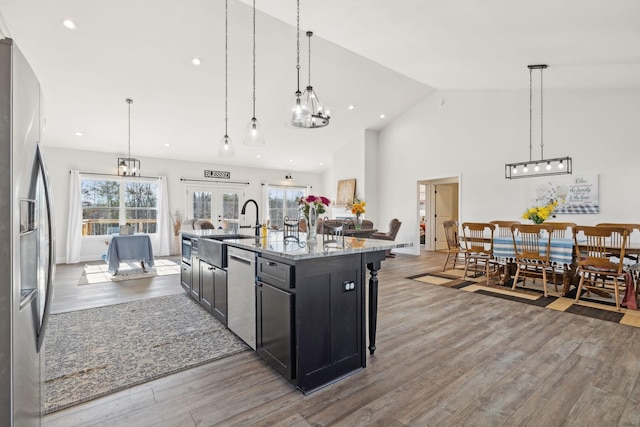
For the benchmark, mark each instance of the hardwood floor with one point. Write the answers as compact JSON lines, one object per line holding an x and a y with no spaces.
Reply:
{"x":444,"y":357}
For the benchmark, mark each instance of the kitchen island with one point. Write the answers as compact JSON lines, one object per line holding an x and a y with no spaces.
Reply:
{"x":308,"y":302}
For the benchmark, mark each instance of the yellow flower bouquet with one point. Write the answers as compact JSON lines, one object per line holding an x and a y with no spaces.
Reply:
{"x":540,"y":213}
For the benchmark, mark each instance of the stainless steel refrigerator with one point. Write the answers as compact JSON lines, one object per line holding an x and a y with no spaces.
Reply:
{"x":27,"y":259}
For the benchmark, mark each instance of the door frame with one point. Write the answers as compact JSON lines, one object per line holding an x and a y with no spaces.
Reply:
{"x":431,"y":183}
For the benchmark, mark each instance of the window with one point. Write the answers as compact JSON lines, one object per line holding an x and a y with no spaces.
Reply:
{"x":282,"y":203}
{"x":107,"y":203}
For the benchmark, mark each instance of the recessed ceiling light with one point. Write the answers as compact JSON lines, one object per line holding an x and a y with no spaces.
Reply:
{"x":258,"y":156}
{"x":77,"y":133}
{"x":291,"y":160}
{"x":166,"y":144}
{"x":351,"y":107}
{"x":320,"y":163}
{"x":196,"y":61}
{"x":68,"y":23}
{"x":382,"y":116}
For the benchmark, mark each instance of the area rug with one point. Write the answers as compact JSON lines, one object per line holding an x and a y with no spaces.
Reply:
{"x":533,"y":294}
{"x":97,"y":273}
{"x":94,"y":352}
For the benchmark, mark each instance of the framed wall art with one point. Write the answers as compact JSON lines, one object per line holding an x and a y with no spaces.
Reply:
{"x":346,"y":192}
{"x":576,"y":194}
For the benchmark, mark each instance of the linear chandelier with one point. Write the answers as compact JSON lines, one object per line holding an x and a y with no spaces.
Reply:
{"x":128,"y":166}
{"x":541,"y":167}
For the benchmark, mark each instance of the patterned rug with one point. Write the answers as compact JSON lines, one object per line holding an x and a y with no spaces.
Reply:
{"x":97,"y":273}
{"x":533,"y":294}
{"x":94,"y":352}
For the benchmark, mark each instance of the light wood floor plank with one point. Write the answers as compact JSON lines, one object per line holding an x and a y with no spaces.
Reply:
{"x":444,"y":357}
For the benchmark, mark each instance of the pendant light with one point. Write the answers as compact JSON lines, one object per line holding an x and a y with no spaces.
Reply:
{"x":542,"y":167}
{"x":253,"y":136}
{"x":128,"y":166}
{"x":318,"y":115}
{"x":299,"y":112}
{"x":226,"y":148}
{"x":306,"y":109}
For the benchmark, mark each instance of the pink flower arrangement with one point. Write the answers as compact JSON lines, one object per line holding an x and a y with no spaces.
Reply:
{"x":318,"y":202}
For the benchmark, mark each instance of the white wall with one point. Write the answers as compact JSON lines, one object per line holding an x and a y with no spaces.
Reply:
{"x":472,"y":134}
{"x":357,"y":159}
{"x":61,"y":161}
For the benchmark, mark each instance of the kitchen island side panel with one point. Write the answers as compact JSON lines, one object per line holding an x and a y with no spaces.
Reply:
{"x":329,"y":320}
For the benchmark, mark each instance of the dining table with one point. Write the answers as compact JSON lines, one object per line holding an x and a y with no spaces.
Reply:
{"x":135,"y":247}
{"x":561,"y":257}
{"x":362,"y":232}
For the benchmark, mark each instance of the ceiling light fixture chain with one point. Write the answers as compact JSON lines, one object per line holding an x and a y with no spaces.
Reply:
{"x":309,"y":34}
{"x":254,"y":58}
{"x":226,"y":66}
{"x":129,"y":102}
{"x":298,"y":93}
{"x":563,"y":165}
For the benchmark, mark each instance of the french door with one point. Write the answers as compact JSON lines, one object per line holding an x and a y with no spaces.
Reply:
{"x":220,"y":205}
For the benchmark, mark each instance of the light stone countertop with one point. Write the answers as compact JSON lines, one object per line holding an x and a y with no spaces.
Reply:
{"x":274,"y":244}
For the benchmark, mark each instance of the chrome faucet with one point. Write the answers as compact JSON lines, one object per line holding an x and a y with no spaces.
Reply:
{"x":244,"y":208}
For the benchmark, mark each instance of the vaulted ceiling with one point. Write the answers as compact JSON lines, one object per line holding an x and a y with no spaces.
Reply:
{"x":378,"y":56}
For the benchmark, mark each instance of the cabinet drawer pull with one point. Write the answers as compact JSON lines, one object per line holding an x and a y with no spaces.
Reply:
{"x":210,"y":268}
{"x":272,"y":264}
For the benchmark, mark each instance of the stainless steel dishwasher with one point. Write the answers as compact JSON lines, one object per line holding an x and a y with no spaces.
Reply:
{"x":241,"y":294}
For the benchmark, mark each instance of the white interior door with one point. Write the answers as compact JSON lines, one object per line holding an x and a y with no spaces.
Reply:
{"x":444,"y":203}
{"x":220,"y":205}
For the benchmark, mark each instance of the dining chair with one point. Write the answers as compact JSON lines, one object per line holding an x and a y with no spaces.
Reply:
{"x":561,"y":230}
{"x":478,"y":241}
{"x":454,"y":247}
{"x":394,"y":227}
{"x":598,"y":270}
{"x":332,"y":233}
{"x":532,"y":252}
{"x":503,"y":230}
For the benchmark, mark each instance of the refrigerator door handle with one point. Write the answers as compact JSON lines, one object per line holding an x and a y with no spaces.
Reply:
{"x":39,"y":168}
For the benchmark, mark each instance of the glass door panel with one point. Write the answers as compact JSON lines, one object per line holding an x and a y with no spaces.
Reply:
{"x":219,"y":205}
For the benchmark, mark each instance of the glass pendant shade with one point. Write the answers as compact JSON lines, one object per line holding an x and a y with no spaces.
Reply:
{"x":299,"y":111}
{"x":226,"y":148}
{"x":253,"y":136}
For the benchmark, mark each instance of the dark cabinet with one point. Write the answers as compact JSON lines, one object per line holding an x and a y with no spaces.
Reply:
{"x":185,"y":277}
{"x":310,"y":318}
{"x":205,"y":281}
{"x":195,"y":277}
{"x":213,"y":285}
{"x":329,"y":320}
{"x":274,"y":328}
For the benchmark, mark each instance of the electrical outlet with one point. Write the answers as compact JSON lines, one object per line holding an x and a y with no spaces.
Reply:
{"x":348,"y":286}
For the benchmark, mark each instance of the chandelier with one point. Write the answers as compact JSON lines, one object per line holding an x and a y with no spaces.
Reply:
{"x":541,"y":167}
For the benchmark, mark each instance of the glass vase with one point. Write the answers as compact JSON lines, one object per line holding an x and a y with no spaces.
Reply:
{"x":312,"y":219}
{"x":358,"y":223}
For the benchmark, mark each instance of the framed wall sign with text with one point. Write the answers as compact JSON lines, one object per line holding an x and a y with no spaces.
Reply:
{"x":576,"y":194}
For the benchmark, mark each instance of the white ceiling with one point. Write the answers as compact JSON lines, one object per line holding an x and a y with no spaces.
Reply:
{"x":378,"y":55}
